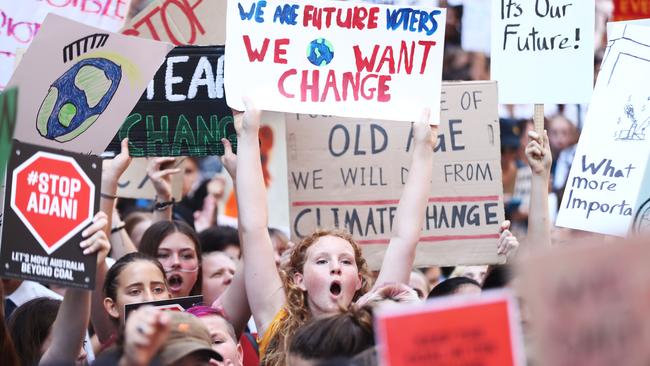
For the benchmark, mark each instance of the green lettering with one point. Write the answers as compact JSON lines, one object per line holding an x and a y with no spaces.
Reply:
{"x":157,"y":136}
{"x":125,"y":130}
{"x":183,"y":134}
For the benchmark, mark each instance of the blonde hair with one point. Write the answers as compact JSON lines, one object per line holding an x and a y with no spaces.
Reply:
{"x":297,"y":308}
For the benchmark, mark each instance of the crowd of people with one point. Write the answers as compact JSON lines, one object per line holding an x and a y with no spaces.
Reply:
{"x":268,"y":300}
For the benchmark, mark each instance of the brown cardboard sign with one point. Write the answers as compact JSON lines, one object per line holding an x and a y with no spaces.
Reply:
{"x":588,"y":305}
{"x":349,"y":173}
{"x":181,"y":22}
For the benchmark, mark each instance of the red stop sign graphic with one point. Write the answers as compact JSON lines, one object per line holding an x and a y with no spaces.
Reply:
{"x":53,"y":197}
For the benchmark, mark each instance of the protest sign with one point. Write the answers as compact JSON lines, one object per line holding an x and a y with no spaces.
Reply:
{"x":135,"y":183}
{"x":22,"y":19}
{"x":607,"y":187}
{"x":374,"y":57}
{"x":181,"y":22}
{"x":459,"y":330}
{"x":183,"y":112}
{"x":92,"y":81}
{"x":543,"y":52}
{"x":8,"y":100}
{"x":350,"y":174}
{"x":588,"y":304}
{"x":631,"y":9}
{"x":51,"y":196}
{"x":176,"y":304}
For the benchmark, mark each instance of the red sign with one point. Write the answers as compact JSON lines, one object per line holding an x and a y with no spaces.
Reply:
{"x":631,"y":9}
{"x":451,"y":331}
{"x":53,"y":197}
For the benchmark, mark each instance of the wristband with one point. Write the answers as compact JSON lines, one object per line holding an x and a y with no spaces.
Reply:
{"x":162,"y":206}
{"x":118,"y":228}
{"x":107,"y":196}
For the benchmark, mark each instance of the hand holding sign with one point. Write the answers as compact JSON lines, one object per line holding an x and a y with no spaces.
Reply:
{"x":250,"y":121}
{"x":112,"y":170}
{"x":538,"y":153}
{"x":95,"y":240}
{"x":423,"y":134}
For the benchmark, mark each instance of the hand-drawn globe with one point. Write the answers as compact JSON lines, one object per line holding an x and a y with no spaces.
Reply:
{"x":320,"y":52}
{"x":77,"y":98}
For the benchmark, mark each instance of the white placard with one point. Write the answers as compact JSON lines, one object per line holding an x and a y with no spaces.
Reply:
{"x":605,"y":188}
{"x":361,"y":60}
{"x":543,"y":51}
{"x":21,"y":20}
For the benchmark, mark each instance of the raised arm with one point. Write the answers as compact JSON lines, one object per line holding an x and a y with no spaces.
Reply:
{"x":69,"y":328}
{"x":161,"y":178}
{"x":112,"y":170}
{"x":538,"y":153}
{"x":263,"y":284}
{"x":400,"y":255}
{"x":234,"y":301}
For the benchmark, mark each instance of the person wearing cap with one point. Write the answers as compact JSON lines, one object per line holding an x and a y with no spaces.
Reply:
{"x":166,"y":338}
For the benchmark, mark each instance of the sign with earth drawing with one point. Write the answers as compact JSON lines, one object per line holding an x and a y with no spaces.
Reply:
{"x":91,"y":81}
{"x":183,"y":111}
{"x":335,"y":57}
{"x":51,"y":197}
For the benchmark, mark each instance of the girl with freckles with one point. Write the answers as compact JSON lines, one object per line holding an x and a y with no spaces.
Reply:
{"x":326,"y":270}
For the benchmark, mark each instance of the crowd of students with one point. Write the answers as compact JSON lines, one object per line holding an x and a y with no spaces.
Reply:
{"x":267,"y":300}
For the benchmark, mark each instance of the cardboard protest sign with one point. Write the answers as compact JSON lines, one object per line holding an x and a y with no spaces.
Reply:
{"x":183,"y":112}
{"x":456,"y":330}
{"x":373,"y":58}
{"x":181,"y":22}
{"x":175,"y":304}
{"x":588,"y":304}
{"x":22,"y":19}
{"x":607,"y":187}
{"x":631,"y":9}
{"x":135,"y":183}
{"x":92,"y":81}
{"x":350,"y":174}
{"x":8,"y":100}
{"x":543,"y":52}
{"x":51,"y":196}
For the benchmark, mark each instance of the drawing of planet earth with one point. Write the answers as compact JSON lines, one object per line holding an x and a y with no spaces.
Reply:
{"x":320,"y":52}
{"x":77,"y":98}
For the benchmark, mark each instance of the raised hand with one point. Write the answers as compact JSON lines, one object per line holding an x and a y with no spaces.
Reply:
{"x":95,"y":239}
{"x":161,"y":178}
{"x":508,"y":243}
{"x":423,"y":133}
{"x":113,"y":169}
{"x":538,"y":153}
{"x":145,"y":331}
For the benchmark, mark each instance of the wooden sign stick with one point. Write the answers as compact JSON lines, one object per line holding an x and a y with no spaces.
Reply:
{"x":538,"y":118}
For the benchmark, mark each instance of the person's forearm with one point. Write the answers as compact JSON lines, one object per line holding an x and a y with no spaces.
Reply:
{"x":409,"y":218}
{"x":107,"y":200}
{"x":69,"y":328}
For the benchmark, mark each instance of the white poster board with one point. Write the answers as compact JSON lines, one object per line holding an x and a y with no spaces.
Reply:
{"x":335,"y":57}
{"x":21,"y":20}
{"x":606,"y":186}
{"x":543,"y":52}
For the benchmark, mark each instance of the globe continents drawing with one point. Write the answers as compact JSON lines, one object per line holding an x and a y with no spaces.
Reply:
{"x":77,"y":98}
{"x":320,"y":52}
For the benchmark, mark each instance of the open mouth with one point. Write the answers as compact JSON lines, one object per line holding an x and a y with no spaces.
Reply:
{"x":175,"y":282}
{"x":335,"y":288}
